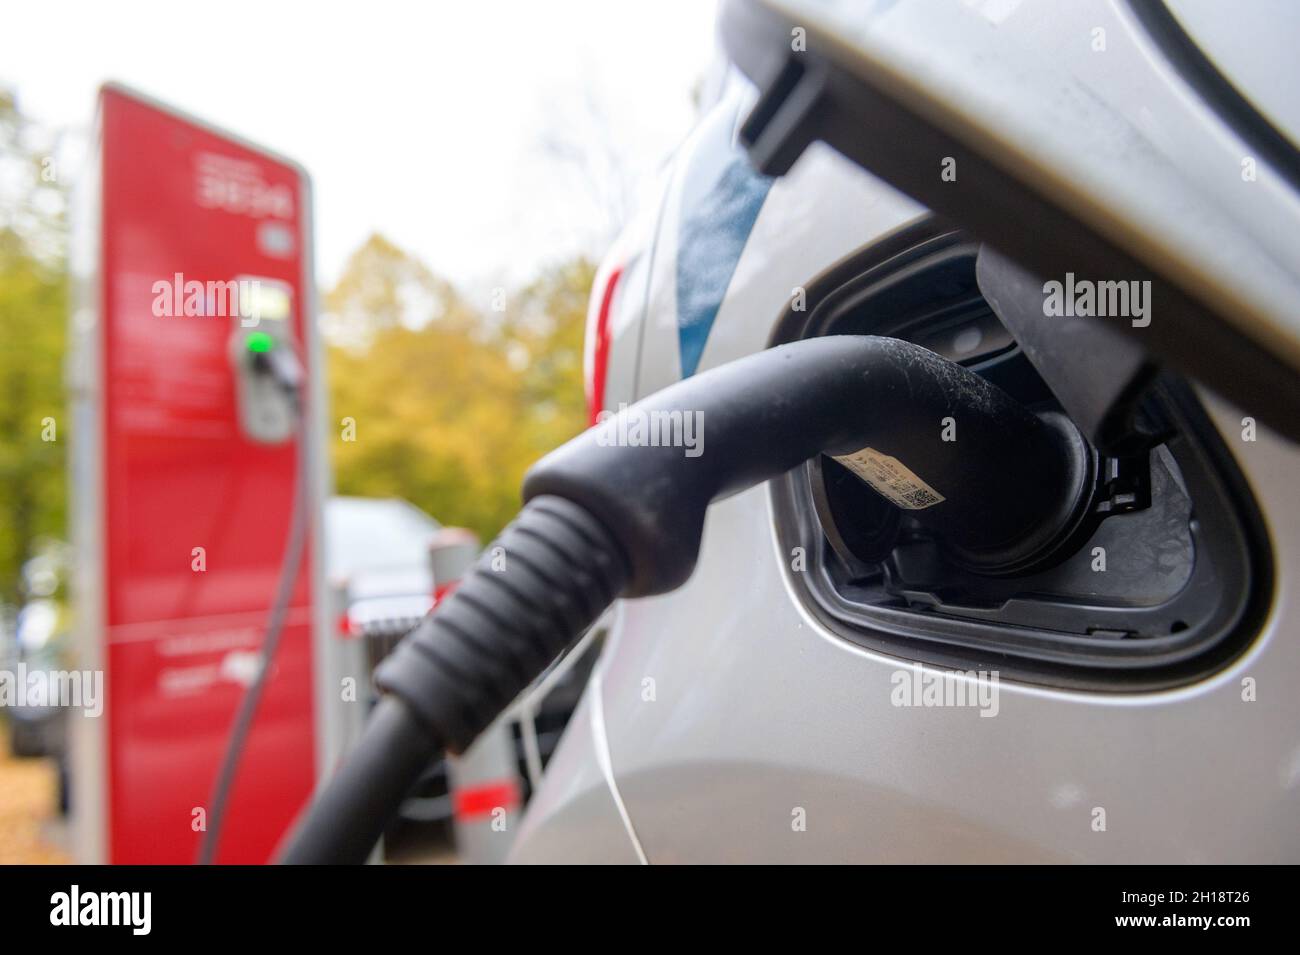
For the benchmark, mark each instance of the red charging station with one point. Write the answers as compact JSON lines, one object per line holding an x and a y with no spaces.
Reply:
{"x":192,"y":254}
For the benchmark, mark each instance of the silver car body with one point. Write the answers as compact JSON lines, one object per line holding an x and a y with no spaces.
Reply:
{"x":724,"y":723}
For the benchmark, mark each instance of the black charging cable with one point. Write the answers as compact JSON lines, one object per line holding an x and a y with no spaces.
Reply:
{"x":609,"y":516}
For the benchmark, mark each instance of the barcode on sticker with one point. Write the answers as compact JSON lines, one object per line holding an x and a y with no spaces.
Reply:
{"x":892,"y":479}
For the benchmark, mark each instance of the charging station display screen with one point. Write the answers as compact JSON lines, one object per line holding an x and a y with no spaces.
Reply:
{"x":202,"y":246}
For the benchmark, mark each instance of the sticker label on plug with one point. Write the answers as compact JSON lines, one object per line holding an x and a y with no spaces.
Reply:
{"x":892,"y":479}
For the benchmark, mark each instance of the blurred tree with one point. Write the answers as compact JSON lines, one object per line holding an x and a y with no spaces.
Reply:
{"x":546,"y":330}
{"x":383,"y":288}
{"x":433,"y":402}
{"x":33,"y":321}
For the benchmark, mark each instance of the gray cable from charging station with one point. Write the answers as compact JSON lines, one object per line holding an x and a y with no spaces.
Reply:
{"x":290,"y":563}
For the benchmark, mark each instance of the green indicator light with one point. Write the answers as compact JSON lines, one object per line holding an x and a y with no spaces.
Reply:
{"x":259,"y":342}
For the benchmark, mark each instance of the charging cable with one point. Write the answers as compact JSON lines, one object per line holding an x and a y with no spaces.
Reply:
{"x":606,"y":517}
{"x":283,"y":367}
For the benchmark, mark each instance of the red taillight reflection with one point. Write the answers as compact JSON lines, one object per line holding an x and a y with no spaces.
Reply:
{"x":598,"y":343}
{"x":443,"y":591}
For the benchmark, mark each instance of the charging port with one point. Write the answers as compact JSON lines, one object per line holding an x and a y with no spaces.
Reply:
{"x":1146,"y":587}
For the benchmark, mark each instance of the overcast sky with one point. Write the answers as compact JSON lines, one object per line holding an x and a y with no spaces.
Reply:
{"x":441,"y":125}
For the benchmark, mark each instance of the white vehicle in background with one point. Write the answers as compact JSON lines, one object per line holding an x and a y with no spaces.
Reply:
{"x":36,"y":640}
{"x":1131,"y":703}
{"x":377,"y":552}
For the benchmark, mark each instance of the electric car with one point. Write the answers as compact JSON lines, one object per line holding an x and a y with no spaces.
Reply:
{"x":994,"y":181}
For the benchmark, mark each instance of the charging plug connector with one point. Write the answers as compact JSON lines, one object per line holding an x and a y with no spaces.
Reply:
{"x":607,"y":516}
